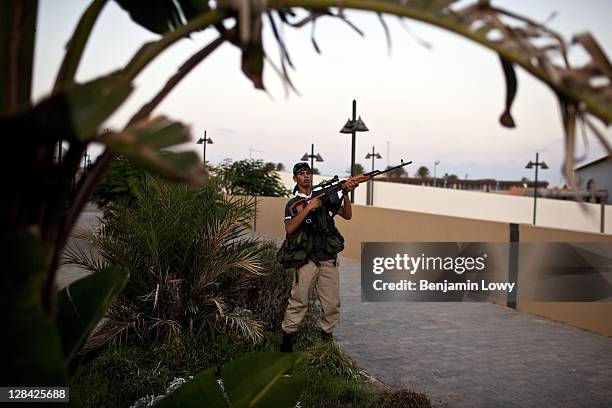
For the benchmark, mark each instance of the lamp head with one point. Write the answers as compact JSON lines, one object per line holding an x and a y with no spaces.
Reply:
{"x":359,"y":126}
{"x":348,"y":127}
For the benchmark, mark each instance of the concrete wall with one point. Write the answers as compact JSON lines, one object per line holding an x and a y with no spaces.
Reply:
{"x":482,"y":206}
{"x":593,"y":316}
{"x":371,"y":224}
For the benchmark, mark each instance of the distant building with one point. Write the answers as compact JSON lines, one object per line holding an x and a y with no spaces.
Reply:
{"x":596,"y":176}
{"x":486,"y":185}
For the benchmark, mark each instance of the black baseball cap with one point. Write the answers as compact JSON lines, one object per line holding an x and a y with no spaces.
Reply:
{"x":300,"y":166}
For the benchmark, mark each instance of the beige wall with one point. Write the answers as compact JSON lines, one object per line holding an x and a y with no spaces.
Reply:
{"x":593,"y":316}
{"x":480,"y":205}
{"x":371,"y":224}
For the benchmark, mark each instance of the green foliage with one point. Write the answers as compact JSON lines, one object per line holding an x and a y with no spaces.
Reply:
{"x":397,"y":173}
{"x":451,"y":177}
{"x":124,"y":374}
{"x":257,"y":380}
{"x":422,"y":172}
{"x":251,"y":177}
{"x":403,"y":399}
{"x":189,"y":262}
{"x":83,"y":303}
{"x":357,"y":169}
{"x":327,"y":357}
{"x":267,"y":297}
{"x":119,"y":183}
{"x":31,"y":351}
{"x":326,"y":391}
{"x":161,"y":16}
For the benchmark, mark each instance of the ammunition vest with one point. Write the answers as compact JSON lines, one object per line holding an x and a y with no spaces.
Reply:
{"x":298,"y":247}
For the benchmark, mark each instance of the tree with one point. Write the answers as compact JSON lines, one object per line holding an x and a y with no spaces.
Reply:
{"x":357,"y":169}
{"x":397,"y":173}
{"x":119,"y":183}
{"x":280,"y":167}
{"x":422,"y":172}
{"x":451,"y":177}
{"x":34,"y":218}
{"x":315,"y":171}
{"x":251,"y":177}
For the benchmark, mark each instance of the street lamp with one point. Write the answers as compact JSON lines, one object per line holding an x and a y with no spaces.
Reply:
{"x":370,"y":193}
{"x":531,"y":165}
{"x":352,"y":126}
{"x":312,"y":157}
{"x":204,"y":141}
{"x":435,"y":166}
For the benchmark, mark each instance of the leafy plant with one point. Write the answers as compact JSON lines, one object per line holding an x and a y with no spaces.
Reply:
{"x":327,"y":357}
{"x":397,"y":173}
{"x":118,"y":183}
{"x":268,"y":295}
{"x":251,"y":177}
{"x":422,"y":172}
{"x":189,"y":259}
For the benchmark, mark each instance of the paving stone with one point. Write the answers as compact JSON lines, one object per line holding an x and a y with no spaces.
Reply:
{"x":474,"y":354}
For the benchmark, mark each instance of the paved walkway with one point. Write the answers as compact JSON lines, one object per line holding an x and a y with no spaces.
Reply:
{"x":88,"y":220}
{"x":474,"y":354}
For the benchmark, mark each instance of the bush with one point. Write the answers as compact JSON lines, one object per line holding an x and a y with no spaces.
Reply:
{"x":118,"y":183}
{"x":326,"y":357}
{"x":268,"y":295}
{"x":189,"y":259}
{"x":251,"y":177}
{"x":122,"y":375}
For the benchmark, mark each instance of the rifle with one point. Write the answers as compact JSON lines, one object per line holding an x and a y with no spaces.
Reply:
{"x":330,"y":188}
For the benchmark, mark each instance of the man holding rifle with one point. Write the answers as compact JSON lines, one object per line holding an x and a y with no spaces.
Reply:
{"x":311,"y":247}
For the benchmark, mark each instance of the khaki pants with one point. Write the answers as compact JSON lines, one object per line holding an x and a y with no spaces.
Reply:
{"x":325,"y":279}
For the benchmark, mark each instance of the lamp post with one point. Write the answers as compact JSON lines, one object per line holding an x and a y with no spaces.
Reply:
{"x":312,"y":157}
{"x":435,"y":167}
{"x":204,"y":141}
{"x":370,"y":193}
{"x":352,"y":126}
{"x":531,"y":165}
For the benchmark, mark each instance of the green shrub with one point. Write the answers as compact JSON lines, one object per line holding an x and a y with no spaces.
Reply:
{"x":402,"y":399}
{"x":121,"y":375}
{"x":189,"y":260}
{"x":251,"y":177}
{"x":118,"y":183}
{"x":268,"y":295}
{"x":326,"y":357}
{"x":328,"y":391}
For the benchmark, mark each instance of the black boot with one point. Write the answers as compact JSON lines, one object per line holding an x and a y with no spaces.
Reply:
{"x":287,"y":344}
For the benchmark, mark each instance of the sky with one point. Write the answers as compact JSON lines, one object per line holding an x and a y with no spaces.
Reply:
{"x":425,"y":105}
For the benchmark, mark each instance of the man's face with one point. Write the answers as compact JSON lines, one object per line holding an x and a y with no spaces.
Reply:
{"x":302,"y":178}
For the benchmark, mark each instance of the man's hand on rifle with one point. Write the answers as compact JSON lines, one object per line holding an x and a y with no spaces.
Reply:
{"x":350,"y":184}
{"x":315,"y":202}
